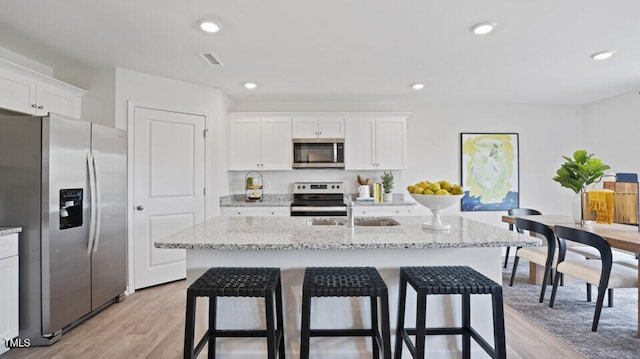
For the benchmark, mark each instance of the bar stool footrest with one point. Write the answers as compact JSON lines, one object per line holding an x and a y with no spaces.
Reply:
{"x":342,"y":333}
{"x":438,"y":331}
{"x":239,"y":333}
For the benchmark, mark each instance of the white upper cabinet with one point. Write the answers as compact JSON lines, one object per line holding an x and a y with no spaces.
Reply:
{"x":17,"y":93}
{"x":244,"y":144}
{"x":58,"y":99}
{"x":262,"y":141}
{"x":259,"y":143}
{"x":318,"y":127}
{"x":29,"y":92}
{"x":376,"y":143}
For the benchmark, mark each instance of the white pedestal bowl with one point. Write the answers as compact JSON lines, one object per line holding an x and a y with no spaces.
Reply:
{"x":436,"y":204}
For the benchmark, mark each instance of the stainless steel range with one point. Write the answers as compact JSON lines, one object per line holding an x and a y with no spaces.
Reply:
{"x":318,"y":199}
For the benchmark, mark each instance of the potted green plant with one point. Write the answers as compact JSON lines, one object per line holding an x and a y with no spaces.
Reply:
{"x":387,"y":185}
{"x":577,"y":173}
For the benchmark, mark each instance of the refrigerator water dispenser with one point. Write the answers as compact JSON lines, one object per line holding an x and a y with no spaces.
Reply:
{"x":70,"y":208}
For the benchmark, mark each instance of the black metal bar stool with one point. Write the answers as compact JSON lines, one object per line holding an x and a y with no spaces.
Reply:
{"x":236,"y":282}
{"x":448,"y":280}
{"x":347,"y":282}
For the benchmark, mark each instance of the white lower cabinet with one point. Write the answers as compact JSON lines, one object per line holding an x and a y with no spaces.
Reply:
{"x":255,"y":211}
{"x":8,"y":289}
{"x":386,"y":211}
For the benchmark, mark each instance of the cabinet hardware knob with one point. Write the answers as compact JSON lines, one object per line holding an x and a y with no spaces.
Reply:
{"x":140,"y":207}
{"x":40,"y":107}
{"x":34,"y":105}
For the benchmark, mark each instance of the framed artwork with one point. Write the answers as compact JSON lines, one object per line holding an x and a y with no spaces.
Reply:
{"x":490,"y":173}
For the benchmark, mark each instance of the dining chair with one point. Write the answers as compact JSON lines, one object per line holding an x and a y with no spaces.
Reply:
{"x":592,"y":253}
{"x":604,"y":273}
{"x":518,"y":212}
{"x":544,"y":255}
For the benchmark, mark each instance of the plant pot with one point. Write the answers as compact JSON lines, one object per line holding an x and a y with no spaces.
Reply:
{"x":576,"y":208}
{"x":387,"y":197}
{"x":577,"y":205}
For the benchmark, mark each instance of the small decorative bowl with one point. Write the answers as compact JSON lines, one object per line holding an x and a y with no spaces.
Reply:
{"x":436,"y":204}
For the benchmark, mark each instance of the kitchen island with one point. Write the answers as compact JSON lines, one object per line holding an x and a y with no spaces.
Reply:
{"x":293,"y":243}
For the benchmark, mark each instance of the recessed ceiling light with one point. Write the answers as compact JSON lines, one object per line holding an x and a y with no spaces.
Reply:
{"x":209,"y":26}
{"x":417,"y":86}
{"x":602,"y":55}
{"x":250,"y":85}
{"x":483,"y":28}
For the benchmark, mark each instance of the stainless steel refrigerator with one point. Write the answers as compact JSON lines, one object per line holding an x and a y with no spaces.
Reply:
{"x":64,"y":181}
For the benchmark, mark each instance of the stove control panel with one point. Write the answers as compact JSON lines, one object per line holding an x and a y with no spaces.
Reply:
{"x":318,"y":187}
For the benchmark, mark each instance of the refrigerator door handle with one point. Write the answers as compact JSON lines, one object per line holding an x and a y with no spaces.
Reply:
{"x":92,"y":194}
{"x":96,"y":182}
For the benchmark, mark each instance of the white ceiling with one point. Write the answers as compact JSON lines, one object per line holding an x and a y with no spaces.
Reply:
{"x":346,"y":50}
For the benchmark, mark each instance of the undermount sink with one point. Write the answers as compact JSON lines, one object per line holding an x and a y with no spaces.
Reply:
{"x":376,"y":222}
{"x":366,"y":222}
{"x":325,"y":222}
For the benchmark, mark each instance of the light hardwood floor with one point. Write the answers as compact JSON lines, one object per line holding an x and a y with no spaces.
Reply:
{"x":150,"y":324}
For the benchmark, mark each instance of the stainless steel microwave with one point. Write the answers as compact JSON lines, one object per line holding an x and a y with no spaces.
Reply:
{"x":318,"y":153}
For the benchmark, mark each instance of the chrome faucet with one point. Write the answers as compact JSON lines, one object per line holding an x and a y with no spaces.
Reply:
{"x":349,"y":203}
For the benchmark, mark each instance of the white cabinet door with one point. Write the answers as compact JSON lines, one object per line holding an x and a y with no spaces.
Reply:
{"x":318,"y":127}
{"x":331,"y":127}
{"x":305,"y":127}
{"x":385,"y":211}
{"x":275,"y":144}
{"x":375,"y":143}
{"x":391,"y":151}
{"x":17,"y":93}
{"x":9,"y":304}
{"x":56,"y":99}
{"x":244,"y":144}
{"x":25,"y":91}
{"x":359,"y":143}
{"x":255,"y":211}
{"x":260,"y":144}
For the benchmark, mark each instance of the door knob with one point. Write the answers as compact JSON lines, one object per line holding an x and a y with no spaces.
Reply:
{"x":140,"y":207}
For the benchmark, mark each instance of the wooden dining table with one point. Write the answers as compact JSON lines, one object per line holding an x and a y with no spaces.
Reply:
{"x":619,"y":236}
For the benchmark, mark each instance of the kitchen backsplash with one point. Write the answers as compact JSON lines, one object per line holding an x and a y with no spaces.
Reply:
{"x":275,"y":182}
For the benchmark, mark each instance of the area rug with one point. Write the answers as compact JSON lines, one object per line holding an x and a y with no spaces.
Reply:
{"x":571,"y":316}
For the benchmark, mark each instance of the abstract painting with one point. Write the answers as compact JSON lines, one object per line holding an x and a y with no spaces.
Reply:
{"x":490,"y":171}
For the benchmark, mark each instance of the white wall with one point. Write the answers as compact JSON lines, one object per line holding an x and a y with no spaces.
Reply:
{"x":181,"y":96}
{"x":546,"y":132}
{"x":98,"y":103}
{"x":24,"y":61}
{"x":611,"y":128}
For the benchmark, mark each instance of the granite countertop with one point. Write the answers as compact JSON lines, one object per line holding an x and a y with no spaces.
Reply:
{"x":5,"y":231}
{"x":263,"y":233}
{"x":284,"y":200}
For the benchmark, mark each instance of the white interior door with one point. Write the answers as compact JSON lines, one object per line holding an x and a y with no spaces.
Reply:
{"x":169,"y":180}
